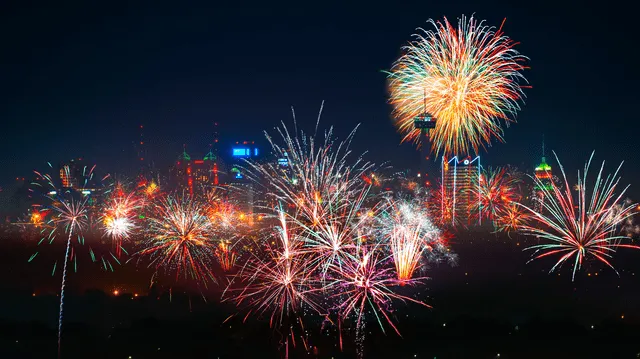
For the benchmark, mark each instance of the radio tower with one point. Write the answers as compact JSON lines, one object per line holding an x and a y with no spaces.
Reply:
{"x":425,"y":123}
{"x":141,"y":153}
{"x":215,"y":153}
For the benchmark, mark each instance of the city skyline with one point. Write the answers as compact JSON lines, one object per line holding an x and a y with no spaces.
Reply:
{"x":57,"y":112}
{"x":315,"y":180}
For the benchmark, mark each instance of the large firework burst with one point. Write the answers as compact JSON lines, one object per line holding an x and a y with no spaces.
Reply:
{"x":582,"y":228}
{"x":466,"y":77}
{"x":179,"y":237}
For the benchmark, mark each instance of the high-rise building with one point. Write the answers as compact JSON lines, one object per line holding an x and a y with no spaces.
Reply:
{"x":460,"y":180}
{"x":195,"y":175}
{"x":67,"y":177}
{"x":240,"y":152}
{"x":243,"y":189}
{"x":544,"y":179}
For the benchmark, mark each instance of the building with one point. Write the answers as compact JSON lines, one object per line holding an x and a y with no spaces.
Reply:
{"x":544,"y":175}
{"x":195,"y":175}
{"x":460,"y":181}
{"x":69,"y":175}
{"x":80,"y":176}
{"x":544,"y":180}
{"x":240,"y":153}
{"x":284,"y":165}
{"x":243,"y":193}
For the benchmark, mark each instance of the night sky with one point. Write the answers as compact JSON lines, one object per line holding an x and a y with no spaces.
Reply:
{"x":78,"y":78}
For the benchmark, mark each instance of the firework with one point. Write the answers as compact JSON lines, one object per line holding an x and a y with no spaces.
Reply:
{"x":220,"y":211}
{"x":319,"y":179}
{"x":224,"y":218}
{"x":226,"y":256}
{"x":582,"y":228}
{"x":332,"y":252}
{"x":179,"y":237}
{"x":441,"y":205}
{"x":498,"y":190}
{"x":334,"y":234}
{"x":70,"y":216}
{"x":277,"y":279}
{"x":324,"y":191}
{"x":466,"y":77}
{"x":119,"y":217}
{"x":363,"y":283}
{"x":511,"y":218}
{"x":410,"y":234}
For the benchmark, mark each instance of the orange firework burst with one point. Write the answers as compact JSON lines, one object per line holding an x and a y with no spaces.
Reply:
{"x":466,"y":77}
{"x":511,"y":218}
{"x":226,"y":256}
{"x":498,"y":191}
{"x":411,"y":234}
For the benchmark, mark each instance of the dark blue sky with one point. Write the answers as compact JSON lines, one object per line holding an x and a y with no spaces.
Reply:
{"x":78,"y":78}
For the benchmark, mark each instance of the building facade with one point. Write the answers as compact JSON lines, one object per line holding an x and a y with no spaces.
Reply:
{"x":195,"y":175}
{"x":460,"y":181}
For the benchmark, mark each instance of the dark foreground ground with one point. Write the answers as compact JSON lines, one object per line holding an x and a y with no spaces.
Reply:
{"x":492,"y":305}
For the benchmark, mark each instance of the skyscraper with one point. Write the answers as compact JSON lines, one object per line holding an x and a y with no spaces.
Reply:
{"x":544,"y":178}
{"x":243,"y":191}
{"x":194,"y":175}
{"x":460,"y":179}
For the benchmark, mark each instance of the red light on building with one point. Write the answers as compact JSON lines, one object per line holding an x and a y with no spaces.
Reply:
{"x":198,"y":162}
{"x":215,"y":174}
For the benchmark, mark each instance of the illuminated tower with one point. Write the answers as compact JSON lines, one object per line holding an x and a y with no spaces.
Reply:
{"x":544,"y":177}
{"x":425,"y":123}
{"x":142,"y":163}
{"x":460,"y":188}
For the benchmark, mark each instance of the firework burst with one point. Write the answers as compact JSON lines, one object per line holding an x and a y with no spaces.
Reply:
{"x":364,"y":283}
{"x":179,"y":238}
{"x":70,"y":216}
{"x":332,"y":252}
{"x":276,"y":279}
{"x":511,"y":218}
{"x":582,"y":228}
{"x":119,"y":217}
{"x":466,"y":77}
{"x":411,"y":235}
{"x":319,"y":179}
{"x":498,"y":189}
